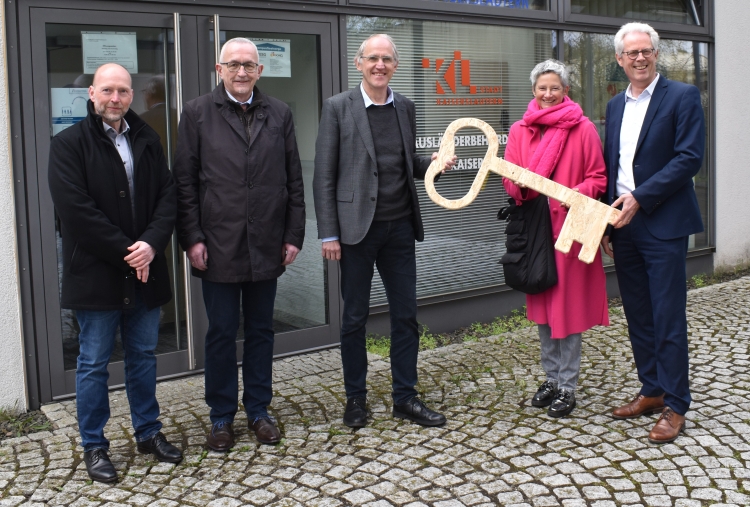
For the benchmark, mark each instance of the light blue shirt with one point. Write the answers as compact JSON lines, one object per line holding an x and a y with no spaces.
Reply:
{"x":122,"y":143}
{"x":368,"y":103}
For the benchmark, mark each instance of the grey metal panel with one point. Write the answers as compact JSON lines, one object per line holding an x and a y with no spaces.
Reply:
{"x":37,"y":379}
{"x":168,"y":365}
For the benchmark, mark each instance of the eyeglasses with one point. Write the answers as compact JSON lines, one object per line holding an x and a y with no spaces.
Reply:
{"x":387,"y":59}
{"x":235,"y":66}
{"x":634,"y":54}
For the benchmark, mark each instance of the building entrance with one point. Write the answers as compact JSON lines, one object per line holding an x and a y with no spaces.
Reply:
{"x":171,"y":57}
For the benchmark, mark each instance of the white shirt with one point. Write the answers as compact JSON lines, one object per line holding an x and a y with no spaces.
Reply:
{"x":248,"y":101}
{"x":369,"y":102}
{"x":632,"y":122}
{"x":122,"y":143}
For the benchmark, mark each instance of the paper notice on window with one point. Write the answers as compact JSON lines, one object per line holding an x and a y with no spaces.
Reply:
{"x":109,"y":47}
{"x":275,"y":56}
{"x":68,"y":107}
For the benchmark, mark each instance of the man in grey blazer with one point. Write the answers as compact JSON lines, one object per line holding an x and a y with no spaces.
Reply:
{"x":368,"y":214}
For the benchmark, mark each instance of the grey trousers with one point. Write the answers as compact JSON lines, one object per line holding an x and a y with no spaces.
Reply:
{"x":561,"y":358}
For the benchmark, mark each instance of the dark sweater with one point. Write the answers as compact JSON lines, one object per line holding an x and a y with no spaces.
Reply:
{"x":393,"y":192}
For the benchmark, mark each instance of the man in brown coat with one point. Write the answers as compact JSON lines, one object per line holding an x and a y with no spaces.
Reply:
{"x":241,"y":220}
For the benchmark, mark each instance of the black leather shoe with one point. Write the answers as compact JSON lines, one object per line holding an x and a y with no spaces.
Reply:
{"x":99,"y":467}
{"x":355,"y":415}
{"x":265,"y":430}
{"x":416,"y":411}
{"x":563,"y":404}
{"x":161,"y":448}
{"x":545,"y":394}
{"x":221,"y":436}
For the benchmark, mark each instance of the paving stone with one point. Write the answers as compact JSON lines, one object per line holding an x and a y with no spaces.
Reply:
{"x":495,"y":449}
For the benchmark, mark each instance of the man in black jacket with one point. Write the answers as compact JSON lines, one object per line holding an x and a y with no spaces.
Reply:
{"x":241,"y":220}
{"x":116,"y":201}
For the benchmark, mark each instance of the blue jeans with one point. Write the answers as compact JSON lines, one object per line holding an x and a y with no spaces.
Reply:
{"x":223,"y":302}
{"x":390,"y":247}
{"x":139,"y":333}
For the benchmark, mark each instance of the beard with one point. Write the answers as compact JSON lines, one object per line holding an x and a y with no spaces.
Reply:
{"x":109,"y":116}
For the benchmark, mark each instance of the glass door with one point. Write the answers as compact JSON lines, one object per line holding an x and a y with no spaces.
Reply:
{"x":297,"y":60}
{"x":67,"y":47}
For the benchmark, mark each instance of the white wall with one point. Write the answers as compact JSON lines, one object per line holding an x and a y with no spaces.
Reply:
{"x":732,"y":127}
{"x":12,"y":371}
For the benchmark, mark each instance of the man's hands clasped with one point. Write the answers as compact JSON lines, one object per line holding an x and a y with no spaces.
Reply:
{"x":140,"y":257}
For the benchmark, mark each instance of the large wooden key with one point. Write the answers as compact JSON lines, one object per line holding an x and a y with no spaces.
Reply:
{"x":587,"y":218}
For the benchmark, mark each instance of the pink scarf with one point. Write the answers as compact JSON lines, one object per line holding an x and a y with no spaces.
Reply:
{"x":559,"y":120}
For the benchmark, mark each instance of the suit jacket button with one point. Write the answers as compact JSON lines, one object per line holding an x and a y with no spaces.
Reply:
{"x":126,"y":301}
{"x":375,"y":173}
{"x":250,"y":185}
{"x":372,"y":198}
{"x":250,"y":219}
{"x":122,"y":193}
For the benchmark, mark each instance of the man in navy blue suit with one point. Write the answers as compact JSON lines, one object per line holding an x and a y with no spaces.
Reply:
{"x":655,"y":136}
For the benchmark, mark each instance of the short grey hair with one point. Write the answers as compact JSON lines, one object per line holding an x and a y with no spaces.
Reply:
{"x":236,"y":40}
{"x":361,"y":50}
{"x":548,"y":66}
{"x":635,"y":27}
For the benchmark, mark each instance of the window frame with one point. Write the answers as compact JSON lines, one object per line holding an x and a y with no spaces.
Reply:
{"x":599,"y":22}
{"x":461,"y":9}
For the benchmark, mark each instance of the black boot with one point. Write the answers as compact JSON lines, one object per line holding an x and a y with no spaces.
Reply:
{"x":563,"y":404}
{"x":545,"y":394}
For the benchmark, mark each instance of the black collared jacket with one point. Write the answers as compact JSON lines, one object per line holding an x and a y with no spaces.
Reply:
{"x":90,"y":191}
{"x":243,"y":197}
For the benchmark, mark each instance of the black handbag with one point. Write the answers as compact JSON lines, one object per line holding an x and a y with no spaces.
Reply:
{"x":529,"y":261}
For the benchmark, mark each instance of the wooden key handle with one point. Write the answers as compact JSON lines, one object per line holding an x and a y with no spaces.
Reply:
{"x":446,"y":152}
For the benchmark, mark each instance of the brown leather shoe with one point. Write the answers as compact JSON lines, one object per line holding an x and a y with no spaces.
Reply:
{"x":667,"y":428}
{"x":641,"y":405}
{"x":221,"y":436}
{"x":265,"y":430}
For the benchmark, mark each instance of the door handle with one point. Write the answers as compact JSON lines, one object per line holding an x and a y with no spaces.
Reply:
{"x":185,"y":261}
{"x":217,"y":45}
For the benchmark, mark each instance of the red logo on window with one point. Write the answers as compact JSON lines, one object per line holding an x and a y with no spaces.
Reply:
{"x":449,"y":75}
{"x":455,"y":73}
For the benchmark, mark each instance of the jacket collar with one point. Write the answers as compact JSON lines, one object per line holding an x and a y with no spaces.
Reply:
{"x":226,"y":108}
{"x":220,"y":96}
{"x":134,"y":121}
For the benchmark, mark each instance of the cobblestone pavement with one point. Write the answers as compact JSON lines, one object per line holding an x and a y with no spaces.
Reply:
{"x":495,"y":450}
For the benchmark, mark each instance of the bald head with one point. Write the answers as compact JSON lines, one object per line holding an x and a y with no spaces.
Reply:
{"x":111,"y":69}
{"x":111,"y":93}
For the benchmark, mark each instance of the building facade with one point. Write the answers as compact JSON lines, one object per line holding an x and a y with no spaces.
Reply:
{"x":458,"y":58}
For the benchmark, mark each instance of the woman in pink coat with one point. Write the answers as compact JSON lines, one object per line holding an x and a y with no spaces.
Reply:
{"x":554,"y":139}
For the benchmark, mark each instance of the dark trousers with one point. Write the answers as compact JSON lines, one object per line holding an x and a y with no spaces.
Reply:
{"x":652,"y":279}
{"x":390,"y":247}
{"x":223,"y":301}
